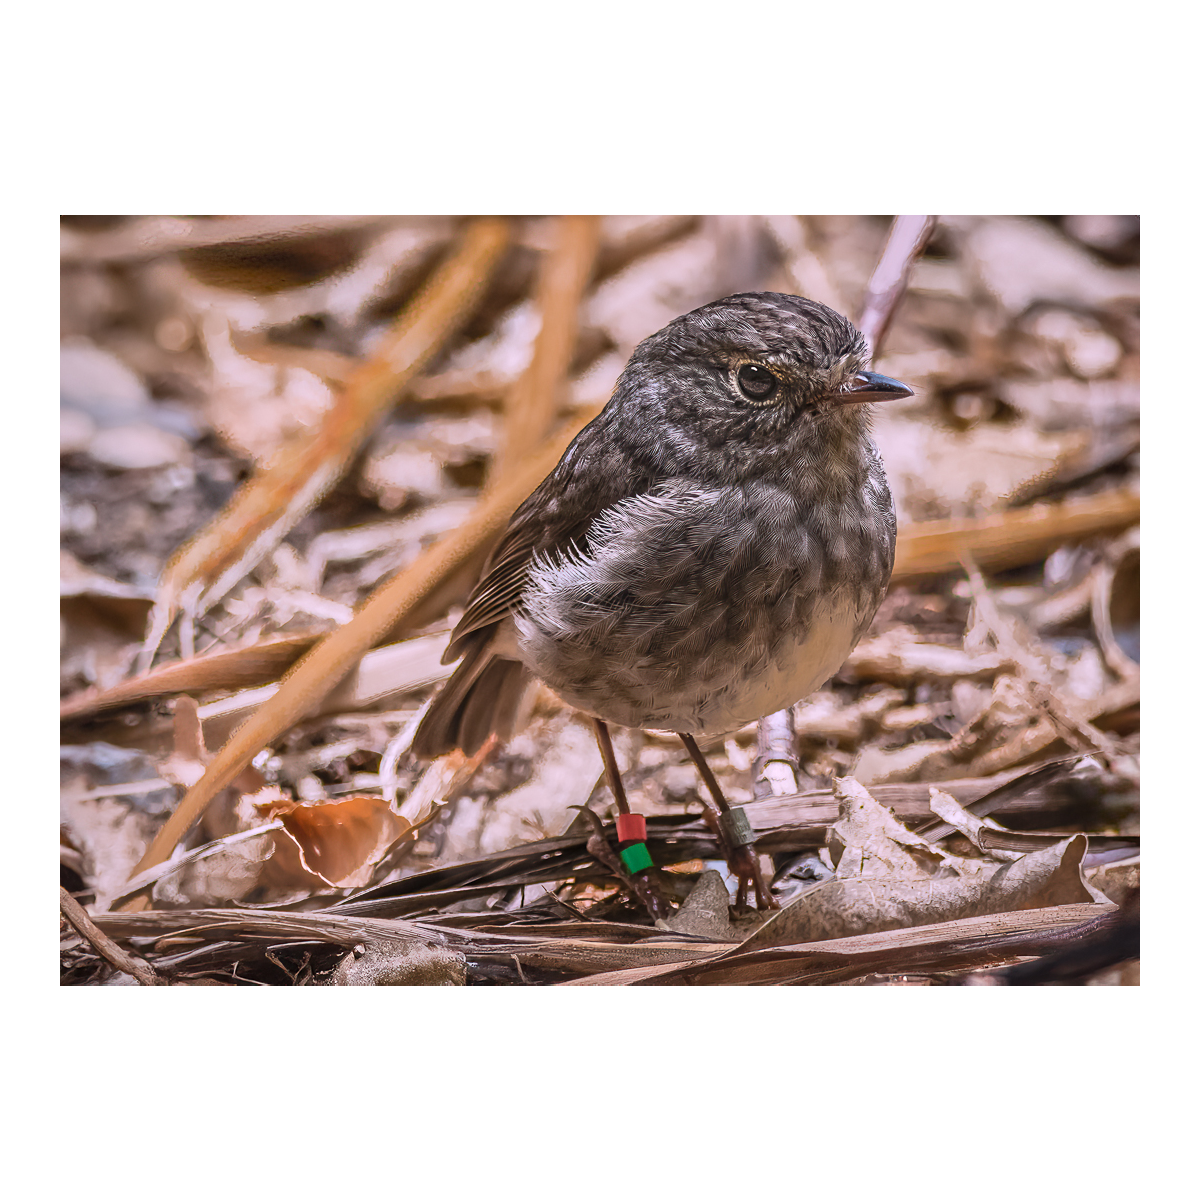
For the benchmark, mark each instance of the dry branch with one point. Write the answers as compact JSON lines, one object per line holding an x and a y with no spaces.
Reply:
{"x":1034,"y":671}
{"x":113,"y":954}
{"x":592,"y":953}
{"x":906,"y":241}
{"x":968,"y":943}
{"x":267,"y":507}
{"x":244,"y":666}
{"x":1014,"y":537}
{"x":533,"y":401}
{"x":152,"y":237}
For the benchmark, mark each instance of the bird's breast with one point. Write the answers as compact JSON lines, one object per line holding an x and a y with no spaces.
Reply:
{"x":699,"y":610}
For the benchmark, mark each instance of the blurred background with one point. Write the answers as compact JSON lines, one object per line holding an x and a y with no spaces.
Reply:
{"x":203,"y":353}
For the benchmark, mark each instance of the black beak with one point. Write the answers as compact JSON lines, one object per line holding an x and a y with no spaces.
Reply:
{"x":867,"y":387}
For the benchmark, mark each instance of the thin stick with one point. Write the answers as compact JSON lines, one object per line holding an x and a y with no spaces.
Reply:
{"x":907,"y":238}
{"x":127,"y":963}
{"x":152,"y":237}
{"x":779,"y":774}
{"x":610,"y":765}
{"x":1013,"y":537}
{"x":532,"y":403}
{"x":1033,"y":671}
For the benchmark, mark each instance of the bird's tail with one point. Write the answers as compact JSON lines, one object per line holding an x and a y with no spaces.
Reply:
{"x":485,"y":695}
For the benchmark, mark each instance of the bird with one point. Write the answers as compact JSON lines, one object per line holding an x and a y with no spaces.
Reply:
{"x":708,"y":550}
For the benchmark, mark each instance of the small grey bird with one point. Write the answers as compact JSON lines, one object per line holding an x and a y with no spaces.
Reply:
{"x":708,"y":550}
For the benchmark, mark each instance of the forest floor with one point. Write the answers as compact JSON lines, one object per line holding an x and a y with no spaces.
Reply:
{"x":287,"y":446}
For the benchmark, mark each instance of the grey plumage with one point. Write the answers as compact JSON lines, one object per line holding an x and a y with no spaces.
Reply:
{"x":701,"y":555}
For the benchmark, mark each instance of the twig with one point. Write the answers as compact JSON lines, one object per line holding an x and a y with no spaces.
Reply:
{"x":145,"y":879}
{"x":1014,"y":537}
{"x":266,"y":508}
{"x":127,"y":963}
{"x":1103,"y":580}
{"x":1075,"y":728}
{"x":242,"y":667}
{"x":1099,"y":945}
{"x":320,"y":670}
{"x":532,"y":402}
{"x":945,"y":946}
{"x":907,"y":238}
{"x":152,"y":237}
{"x":389,"y":778}
{"x":776,"y":767}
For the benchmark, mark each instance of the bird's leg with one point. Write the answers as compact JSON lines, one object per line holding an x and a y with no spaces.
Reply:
{"x":611,"y":773}
{"x":736,"y":838}
{"x":631,"y":830}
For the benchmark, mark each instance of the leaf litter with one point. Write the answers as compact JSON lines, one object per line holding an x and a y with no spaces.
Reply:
{"x":332,"y":857}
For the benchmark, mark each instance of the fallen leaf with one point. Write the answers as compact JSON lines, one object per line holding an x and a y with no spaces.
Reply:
{"x":342,"y":841}
{"x":890,"y":878}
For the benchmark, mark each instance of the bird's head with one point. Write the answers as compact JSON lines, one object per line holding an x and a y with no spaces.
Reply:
{"x":760,"y":373}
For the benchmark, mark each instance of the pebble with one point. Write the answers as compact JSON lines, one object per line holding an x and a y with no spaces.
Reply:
{"x":75,"y":431}
{"x":137,"y":445}
{"x":107,"y":412}
{"x":99,"y":383}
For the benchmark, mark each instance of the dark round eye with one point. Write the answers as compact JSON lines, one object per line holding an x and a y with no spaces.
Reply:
{"x":757,"y":383}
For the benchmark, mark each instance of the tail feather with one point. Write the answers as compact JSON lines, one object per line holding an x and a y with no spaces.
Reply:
{"x":482,"y":697}
{"x":492,"y":705}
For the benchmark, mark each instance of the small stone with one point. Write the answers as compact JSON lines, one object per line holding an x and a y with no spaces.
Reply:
{"x":390,"y":965}
{"x":97,"y":382}
{"x":129,"y":447}
{"x":173,"y":334}
{"x":1093,"y":354}
{"x":75,"y":430}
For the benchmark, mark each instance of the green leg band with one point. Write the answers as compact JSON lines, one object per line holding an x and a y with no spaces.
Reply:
{"x":636,"y":858}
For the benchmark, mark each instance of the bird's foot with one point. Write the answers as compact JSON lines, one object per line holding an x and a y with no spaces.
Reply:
{"x":633,"y":863}
{"x":743,"y":862}
{"x":736,"y":840}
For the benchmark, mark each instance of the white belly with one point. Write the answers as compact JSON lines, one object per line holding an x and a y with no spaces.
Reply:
{"x":788,"y":677}
{"x":728,"y":690}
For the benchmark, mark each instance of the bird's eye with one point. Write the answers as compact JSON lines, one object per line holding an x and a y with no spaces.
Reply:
{"x":757,"y":383}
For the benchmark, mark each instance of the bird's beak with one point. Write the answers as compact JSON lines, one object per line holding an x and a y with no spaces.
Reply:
{"x":867,"y":387}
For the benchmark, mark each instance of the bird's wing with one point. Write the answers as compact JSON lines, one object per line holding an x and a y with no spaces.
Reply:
{"x":498,"y":590}
{"x":591,"y":476}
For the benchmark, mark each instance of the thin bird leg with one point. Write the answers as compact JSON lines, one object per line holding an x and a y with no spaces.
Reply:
{"x":610,"y":765}
{"x":742,"y":860}
{"x":714,"y":788}
{"x":641,"y":879}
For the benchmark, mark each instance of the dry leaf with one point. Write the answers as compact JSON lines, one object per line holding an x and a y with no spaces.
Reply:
{"x":705,"y":913}
{"x":341,"y":842}
{"x":889,"y":878}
